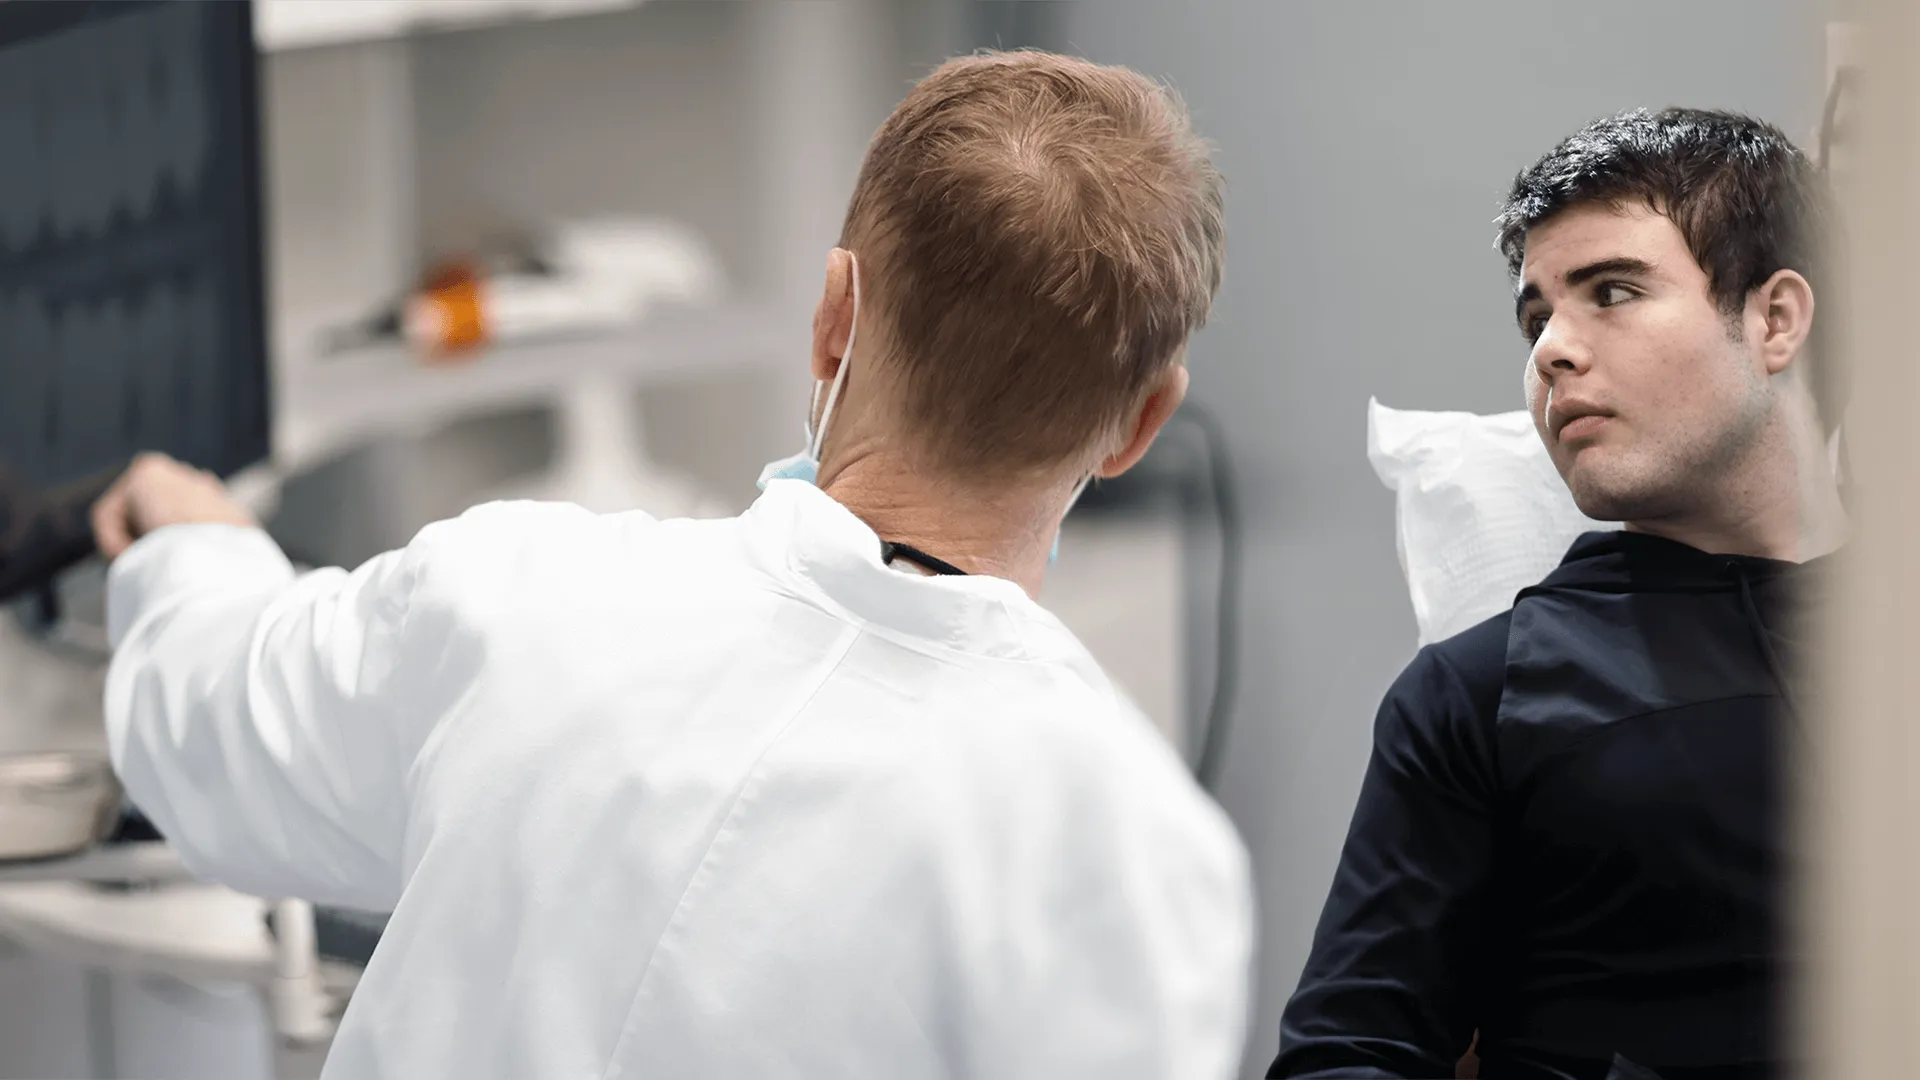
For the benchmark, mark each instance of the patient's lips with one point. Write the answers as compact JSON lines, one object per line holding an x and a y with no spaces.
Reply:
{"x":1572,"y":420}
{"x":1583,"y":427}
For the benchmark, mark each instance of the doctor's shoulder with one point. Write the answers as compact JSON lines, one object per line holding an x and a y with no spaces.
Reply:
{"x":1160,"y":880}
{"x":521,"y":551}
{"x":1102,"y":760}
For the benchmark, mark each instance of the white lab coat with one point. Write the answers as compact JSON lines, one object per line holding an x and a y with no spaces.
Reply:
{"x":686,"y":799}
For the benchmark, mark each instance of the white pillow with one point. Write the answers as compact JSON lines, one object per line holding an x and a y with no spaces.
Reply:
{"x":1481,"y":513}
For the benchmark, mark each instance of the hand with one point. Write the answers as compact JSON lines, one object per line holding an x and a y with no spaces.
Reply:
{"x":157,"y":491}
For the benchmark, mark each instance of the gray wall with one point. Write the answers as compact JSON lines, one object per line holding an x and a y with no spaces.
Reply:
{"x":1366,"y":144}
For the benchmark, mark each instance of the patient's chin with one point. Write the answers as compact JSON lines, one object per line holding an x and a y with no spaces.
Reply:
{"x":1604,"y":497}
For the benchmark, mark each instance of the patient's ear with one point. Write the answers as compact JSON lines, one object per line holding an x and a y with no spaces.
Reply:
{"x":1783,"y":307}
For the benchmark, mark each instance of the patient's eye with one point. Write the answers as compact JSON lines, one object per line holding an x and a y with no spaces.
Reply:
{"x":1614,"y":292}
{"x":1533,"y":326}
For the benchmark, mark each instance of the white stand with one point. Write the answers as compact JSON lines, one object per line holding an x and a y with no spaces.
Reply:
{"x":600,"y":456}
{"x":182,"y":979}
{"x":296,"y":1001}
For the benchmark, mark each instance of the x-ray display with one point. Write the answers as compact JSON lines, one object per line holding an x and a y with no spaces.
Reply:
{"x":131,"y":294}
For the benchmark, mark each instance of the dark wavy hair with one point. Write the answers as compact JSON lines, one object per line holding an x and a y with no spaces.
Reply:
{"x":1748,"y":201}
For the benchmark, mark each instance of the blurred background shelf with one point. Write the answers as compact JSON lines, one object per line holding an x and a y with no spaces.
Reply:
{"x":327,"y":405}
{"x":296,"y":24}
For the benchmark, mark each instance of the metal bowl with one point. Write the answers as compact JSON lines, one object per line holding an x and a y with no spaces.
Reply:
{"x":55,"y":804}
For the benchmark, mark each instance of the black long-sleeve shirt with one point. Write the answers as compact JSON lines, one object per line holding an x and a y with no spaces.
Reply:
{"x":42,"y":534}
{"x":1569,"y":837}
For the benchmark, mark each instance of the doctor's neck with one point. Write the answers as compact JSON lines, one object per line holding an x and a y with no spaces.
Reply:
{"x":1005,"y":533}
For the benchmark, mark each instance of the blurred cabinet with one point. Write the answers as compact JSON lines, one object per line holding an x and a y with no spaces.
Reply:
{"x":745,"y":121}
{"x":44,"y":1018}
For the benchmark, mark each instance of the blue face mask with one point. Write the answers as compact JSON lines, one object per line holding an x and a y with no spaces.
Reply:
{"x":802,"y":466}
{"x":805,"y":465}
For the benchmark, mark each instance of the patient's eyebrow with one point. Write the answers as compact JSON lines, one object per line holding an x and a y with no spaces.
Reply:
{"x":1624,"y":265}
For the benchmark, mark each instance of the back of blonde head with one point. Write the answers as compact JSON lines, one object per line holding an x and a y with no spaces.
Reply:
{"x":1038,"y":236}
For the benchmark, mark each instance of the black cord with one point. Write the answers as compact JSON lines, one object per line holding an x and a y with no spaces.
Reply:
{"x":1226,"y":675}
{"x":889,"y":551}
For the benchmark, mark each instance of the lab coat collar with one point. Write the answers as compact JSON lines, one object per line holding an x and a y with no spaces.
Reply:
{"x":803,"y":536}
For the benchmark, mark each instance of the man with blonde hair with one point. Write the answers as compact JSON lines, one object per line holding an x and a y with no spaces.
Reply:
{"x":815,"y":791}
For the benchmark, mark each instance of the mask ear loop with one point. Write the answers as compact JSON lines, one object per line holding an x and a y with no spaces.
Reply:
{"x":1078,"y":490}
{"x":819,"y":434}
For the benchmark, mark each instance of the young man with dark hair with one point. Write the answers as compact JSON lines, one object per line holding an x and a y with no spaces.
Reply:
{"x":1570,"y":839}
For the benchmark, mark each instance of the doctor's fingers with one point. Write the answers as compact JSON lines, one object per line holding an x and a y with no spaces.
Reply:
{"x":112,"y":532}
{"x":165,"y":492}
{"x":155,"y":490}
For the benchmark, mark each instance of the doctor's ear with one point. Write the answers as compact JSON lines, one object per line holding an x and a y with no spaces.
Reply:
{"x":833,"y":319}
{"x":1155,"y":410}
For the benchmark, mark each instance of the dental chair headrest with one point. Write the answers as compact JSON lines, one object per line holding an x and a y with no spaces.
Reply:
{"x":1480,"y":512}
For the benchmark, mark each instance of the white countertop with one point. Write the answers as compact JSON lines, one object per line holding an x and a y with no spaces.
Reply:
{"x":190,"y":931}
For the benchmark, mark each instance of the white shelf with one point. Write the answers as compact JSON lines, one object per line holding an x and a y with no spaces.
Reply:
{"x":326,"y":405}
{"x":152,"y":861}
{"x":299,"y":24}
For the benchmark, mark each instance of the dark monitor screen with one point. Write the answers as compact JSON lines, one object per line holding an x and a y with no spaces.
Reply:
{"x":132,"y":309}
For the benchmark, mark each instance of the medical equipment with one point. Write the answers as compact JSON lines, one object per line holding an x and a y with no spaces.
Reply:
{"x":133,"y":317}
{"x":1189,"y":473}
{"x":300,"y":1008}
{"x":55,"y":803}
{"x":1480,"y":512}
{"x":131,"y":280}
{"x":131,"y":296}
{"x":1224,"y":497}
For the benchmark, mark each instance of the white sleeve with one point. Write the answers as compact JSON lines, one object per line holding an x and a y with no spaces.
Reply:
{"x":250,"y":716}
